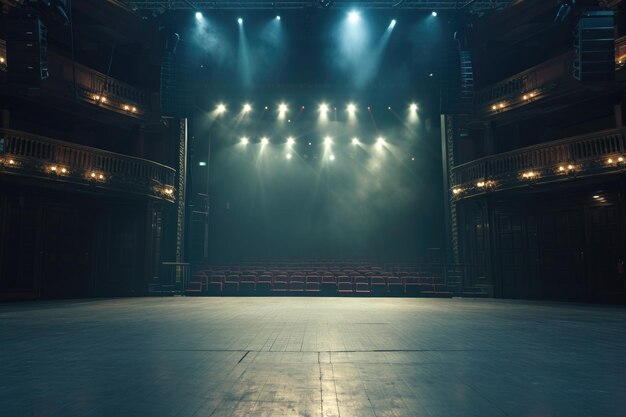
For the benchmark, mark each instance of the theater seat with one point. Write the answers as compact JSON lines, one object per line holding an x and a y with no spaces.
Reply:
{"x":216,"y":283}
{"x":247,"y":283}
{"x":313,"y":283}
{"x":264,"y":284}
{"x":280,"y":283}
{"x":395,"y":285}
{"x":231,"y":284}
{"x":194,"y":288}
{"x":378,"y":285}
{"x":361,"y":284}
{"x":344,"y":284}
{"x":296,"y":283}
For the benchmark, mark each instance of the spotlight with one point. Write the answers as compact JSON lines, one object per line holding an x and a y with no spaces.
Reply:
{"x":244,"y":140}
{"x":331,"y":157}
{"x":323,"y":108}
{"x":434,"y":14}
{"x":413,"y":107}
{"x":199,"y":15}
{"x":355,"y":141}
{"x":392,"y":24}
{"x":380,"y":142}
{"x":282,"y":108}
{"x":328,"y":141}
{"x":290,"y":141}
{"x":353,"y":16}
{"x":351,"y":108}
{"x":277,"y":17}
{"x":288,"y":156}
{"x":264,"y":141}
{"x":247,"y":107}
{"x":240,"y":21}
{"x":221,"y":108}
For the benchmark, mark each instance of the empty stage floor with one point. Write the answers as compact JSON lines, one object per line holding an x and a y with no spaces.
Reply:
{"x":311,"y":357}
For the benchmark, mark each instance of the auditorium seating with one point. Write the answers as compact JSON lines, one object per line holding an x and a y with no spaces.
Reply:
{"x":318,"y":278}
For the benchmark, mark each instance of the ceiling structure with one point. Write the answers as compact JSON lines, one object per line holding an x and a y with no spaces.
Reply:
{"x":304,"y":4}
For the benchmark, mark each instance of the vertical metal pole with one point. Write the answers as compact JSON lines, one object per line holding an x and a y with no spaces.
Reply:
{"x":180,"y":204}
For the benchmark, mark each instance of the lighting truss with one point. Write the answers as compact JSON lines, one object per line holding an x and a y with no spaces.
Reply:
{"x":305,"y":4}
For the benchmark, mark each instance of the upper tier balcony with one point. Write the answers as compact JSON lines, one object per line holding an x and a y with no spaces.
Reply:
{"x":62,"y":162}
{"x":549,"y":80}
{"x":594,"y":154}
{"x":93,"y":87}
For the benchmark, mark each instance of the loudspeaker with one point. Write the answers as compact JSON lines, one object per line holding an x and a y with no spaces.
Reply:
{"x":594,"y":41}
{"x":177,"y":98}
{"x":457,"y":81}
{"x":27,"y":51}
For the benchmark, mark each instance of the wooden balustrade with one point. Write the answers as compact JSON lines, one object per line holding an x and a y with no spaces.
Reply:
{"x":586,"y":152}
{"x":90,"y":83}
{"x":33,"y":154}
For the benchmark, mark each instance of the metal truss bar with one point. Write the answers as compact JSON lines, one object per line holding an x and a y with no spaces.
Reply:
{"x":289,"y":4}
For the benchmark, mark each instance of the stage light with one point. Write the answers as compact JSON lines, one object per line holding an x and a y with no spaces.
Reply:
{"x":331,"y":157}
{"x":199,"y":15}
{"x":277,"y":17}
{"x":380,"y":142}
{"x":63,"y":170}
{"x":353,"y":16}
{"x":323,"y":108}
{"x":221,"y":108}
{"x":202,"y":163}
{"x":288,"y":156}
{"x":434,"y":14}
{"x":392,"y":24}
{"x":290,"y":141}
{"x":244,"y":140}
{"x":351,"y":108}
{"x":355,"y":141}
{"x":247,"y":108}
{"x":282,"y":108}
{"x":328,"y":141}
{"x":413,"y":107}
{"x":240,"y":21}
{"x":264,"y":141}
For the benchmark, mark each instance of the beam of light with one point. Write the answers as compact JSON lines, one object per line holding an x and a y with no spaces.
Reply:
{"x":199,"y":16}
{"x":245,"y":69}
{"x":413,"y":113}
{"x":247,"y":108}
{"x":392,"y":24}
{"x":323,"y":109}
{"x":368,"y":66}
{"x":282,"y":110}
{"x":244,"y":140}
{"x":353,"y":17}
{"x":380,"y":143}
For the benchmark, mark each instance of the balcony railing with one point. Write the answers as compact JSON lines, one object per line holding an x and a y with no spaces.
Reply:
{"x":92,"y":86}
{"x":526,"y":86}
{"x":38,"y":156}
{"x":584,"y":155}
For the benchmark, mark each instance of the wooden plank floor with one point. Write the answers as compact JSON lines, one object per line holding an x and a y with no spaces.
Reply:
{"x":184,"y":357}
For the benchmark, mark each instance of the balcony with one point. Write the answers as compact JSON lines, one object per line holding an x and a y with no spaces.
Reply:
{"x":561,"y":160}
{"x":62,"y":162}
{"x":93,"y":87}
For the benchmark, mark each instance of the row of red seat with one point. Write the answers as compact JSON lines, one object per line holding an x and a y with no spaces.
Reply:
{"x":266,"y":283}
